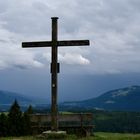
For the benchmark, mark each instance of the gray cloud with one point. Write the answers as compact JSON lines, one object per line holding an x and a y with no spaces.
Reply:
{"x":11,"y":54}
{"x":112,"y":27}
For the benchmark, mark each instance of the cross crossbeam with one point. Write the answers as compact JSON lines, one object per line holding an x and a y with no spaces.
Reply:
{"x":54,"y":43}
{"x":59,"y":43}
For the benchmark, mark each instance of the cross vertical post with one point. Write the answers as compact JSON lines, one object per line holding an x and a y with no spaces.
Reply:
{"x":54,"y":71}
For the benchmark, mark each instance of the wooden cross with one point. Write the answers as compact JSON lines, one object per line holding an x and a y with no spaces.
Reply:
{"x":54,"y":43}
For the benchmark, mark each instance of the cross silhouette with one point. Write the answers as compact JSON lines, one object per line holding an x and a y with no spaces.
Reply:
{"x":54,"y":43}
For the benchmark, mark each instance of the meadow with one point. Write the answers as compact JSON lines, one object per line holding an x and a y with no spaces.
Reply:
{"x":97,"y":136}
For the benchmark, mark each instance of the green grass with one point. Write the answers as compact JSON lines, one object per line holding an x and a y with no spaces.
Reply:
{"x":17,"y":138}
{"x":98,"y":136}
{"x":66,"y":112}
{"x":116,"y":136}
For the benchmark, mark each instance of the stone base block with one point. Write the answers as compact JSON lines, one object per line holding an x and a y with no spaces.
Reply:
{"x":54,"y":135}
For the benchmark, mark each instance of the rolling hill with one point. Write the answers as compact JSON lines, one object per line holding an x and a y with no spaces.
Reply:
{"x":125,"y":99}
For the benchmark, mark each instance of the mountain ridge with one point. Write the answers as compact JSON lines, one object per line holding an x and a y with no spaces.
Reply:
{"x":7,"y":97}
{"x":123,"y":99}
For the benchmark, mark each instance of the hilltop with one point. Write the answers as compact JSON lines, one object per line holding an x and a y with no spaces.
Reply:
{"x":124,"y":99}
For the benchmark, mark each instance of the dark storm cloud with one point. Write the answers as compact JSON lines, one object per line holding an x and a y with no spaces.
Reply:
{"x":112,"y":27}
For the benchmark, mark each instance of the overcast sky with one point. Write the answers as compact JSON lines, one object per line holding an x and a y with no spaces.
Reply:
{"x":112,"y":26}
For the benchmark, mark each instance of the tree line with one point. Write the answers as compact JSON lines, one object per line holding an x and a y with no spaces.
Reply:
{"x":15,"y":122}
{"x":113,"y":121}
{"x":121,"y":122}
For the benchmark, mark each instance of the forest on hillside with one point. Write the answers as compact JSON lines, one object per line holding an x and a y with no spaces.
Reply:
{"x":17,"y":123}
{"x":113,"y":121}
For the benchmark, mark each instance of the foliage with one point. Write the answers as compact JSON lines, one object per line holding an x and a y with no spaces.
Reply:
{"x":29,"y":110}
{"x":122,"y":122}
{"x":111,"y":121}
{"x":15,"y":120}
{"x":26,"y":121}
{"x":98,"y":136}
{"x":15,"y":123}
{"x":3,"y":124}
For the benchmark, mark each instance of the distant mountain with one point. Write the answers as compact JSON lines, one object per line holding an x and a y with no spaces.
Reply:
{"x":7,"y":98}
{"x":124,"y":99}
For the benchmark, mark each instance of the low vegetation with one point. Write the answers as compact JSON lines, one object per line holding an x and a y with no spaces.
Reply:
{"x":98,"y":136}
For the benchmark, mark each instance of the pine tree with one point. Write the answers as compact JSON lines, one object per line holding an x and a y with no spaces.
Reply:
{"x":26,"y":119}
{"x":3,"y":125}
{"x":15,"y":120}
{"x":30,"y":110}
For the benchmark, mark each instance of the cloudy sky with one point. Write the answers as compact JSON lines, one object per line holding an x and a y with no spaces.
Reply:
{"x":112,"y":26}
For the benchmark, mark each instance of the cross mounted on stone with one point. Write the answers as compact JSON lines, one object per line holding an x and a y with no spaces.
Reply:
{"x":54,"y":43}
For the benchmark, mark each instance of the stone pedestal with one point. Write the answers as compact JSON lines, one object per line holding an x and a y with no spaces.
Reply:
{"x":54,"y":135}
